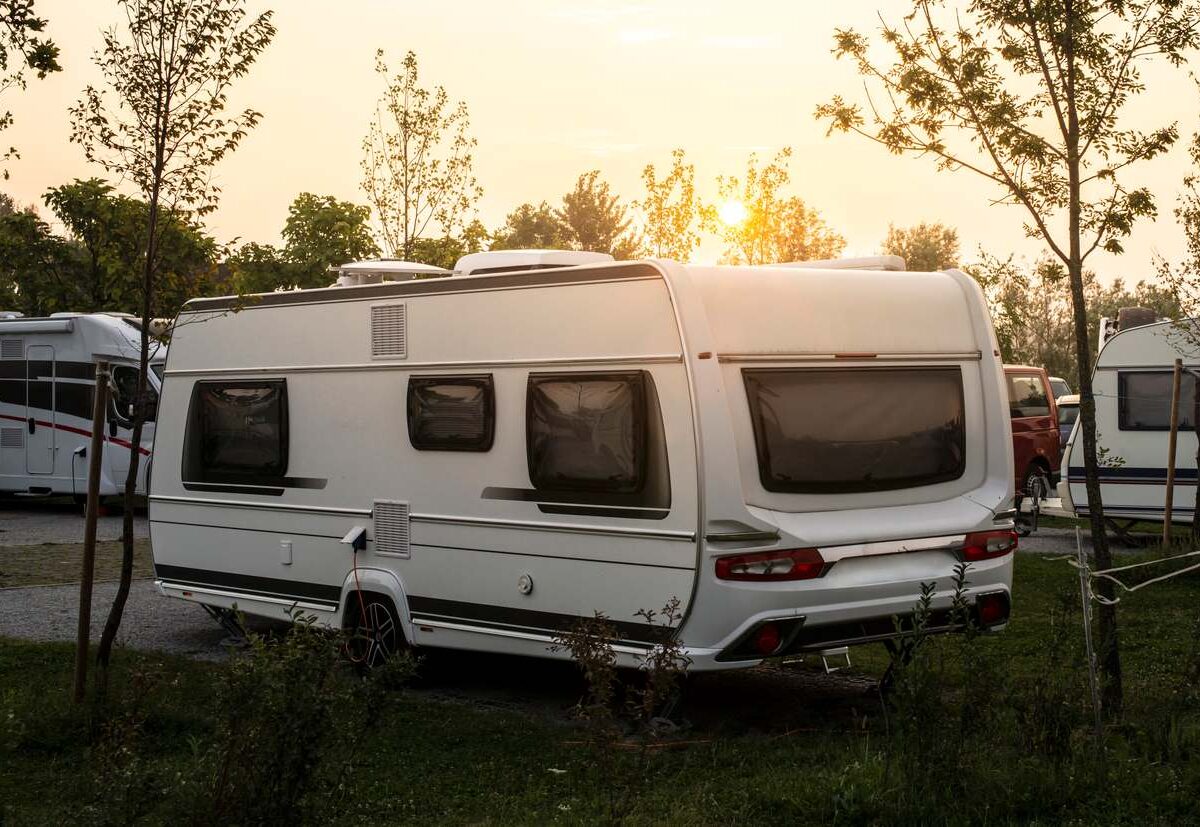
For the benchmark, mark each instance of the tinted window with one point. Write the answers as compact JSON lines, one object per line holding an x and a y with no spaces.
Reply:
{"x":237,"y":431}
{"x":833,"y":431}
{"x":1067,"y":414}
{"x":1144,"y":400}
{"x":587,"y":431}
{"x":451,"y":413}
{"x":1027,"y":396}
{"x":124,"y":391}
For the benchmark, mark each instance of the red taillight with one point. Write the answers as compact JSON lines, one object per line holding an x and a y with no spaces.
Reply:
{"x":992,"y":608}
{"x":767,"y":639}
{"x":795,"y":564}
{"x":984,"y":545}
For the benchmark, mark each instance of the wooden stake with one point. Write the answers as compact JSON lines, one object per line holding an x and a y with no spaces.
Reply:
{"x":1166,"y":532}
{"x":95,"y":457}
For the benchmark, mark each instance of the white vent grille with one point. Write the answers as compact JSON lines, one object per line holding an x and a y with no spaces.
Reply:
{"x":12,"y":437}
{"x":389,"y":331}
{"x":12,"y":348}
{"x":391,"y":527}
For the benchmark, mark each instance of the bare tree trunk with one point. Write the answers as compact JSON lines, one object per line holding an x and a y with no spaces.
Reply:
{"x":113,"y":624}
{"x":1109,"y":651}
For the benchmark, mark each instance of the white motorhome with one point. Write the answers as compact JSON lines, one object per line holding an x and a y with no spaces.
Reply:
{"x":47,"y":378}
{"x":1132,"y":386}
{"x":791,"y":453}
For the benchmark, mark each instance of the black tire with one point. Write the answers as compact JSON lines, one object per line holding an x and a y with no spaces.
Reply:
{"x":378,"y":637}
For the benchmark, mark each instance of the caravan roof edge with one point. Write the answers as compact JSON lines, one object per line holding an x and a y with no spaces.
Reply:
{"x":461,"y":284}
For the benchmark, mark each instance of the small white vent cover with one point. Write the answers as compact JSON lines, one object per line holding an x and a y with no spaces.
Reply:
{"x":12,"y":348}
{"x":391,"y":527}
{"x":12,"y":437}
{"x":389,"y":331}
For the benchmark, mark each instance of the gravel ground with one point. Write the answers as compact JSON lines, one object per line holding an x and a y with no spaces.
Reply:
{"x":151,"y":622}
{"x":32,"y":522}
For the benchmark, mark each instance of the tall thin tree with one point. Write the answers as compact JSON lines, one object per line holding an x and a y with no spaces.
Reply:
{"x":417,"y":159}
{"x":1028,"y":94}
{"x":159,"y":122}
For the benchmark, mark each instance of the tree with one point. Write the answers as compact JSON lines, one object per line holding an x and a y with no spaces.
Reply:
{"x":32,"y":261}
{"x":159,"y":122}
{"x":444,"y":252}
{"x":594,"y":219}
{"x":22,"y":48}
{"x":532,"y":228}
{"x":673,"y":214}
{"x":773,"y":228}
{"x":106,"y":236}
{"x":924,"y":247}
{"x":417,"y":161}
{"x":260,"y":268}
{"x":322,"y":232}
{"x":1028,"y":94}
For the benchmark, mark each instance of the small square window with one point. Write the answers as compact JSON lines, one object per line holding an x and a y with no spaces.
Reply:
{"x":451,"y":413}
{"x":587,"y":432}
{"x":237,"y":432}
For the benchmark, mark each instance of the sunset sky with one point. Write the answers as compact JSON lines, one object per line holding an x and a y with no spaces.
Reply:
{"x":558,"y":88}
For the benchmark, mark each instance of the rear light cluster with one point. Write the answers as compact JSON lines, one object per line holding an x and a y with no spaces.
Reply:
{"x":766,"y":566}
{"x":985,"y":545}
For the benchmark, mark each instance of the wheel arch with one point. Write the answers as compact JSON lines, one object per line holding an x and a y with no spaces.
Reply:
{"x":375,"y":581}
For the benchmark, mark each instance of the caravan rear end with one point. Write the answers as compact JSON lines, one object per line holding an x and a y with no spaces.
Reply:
{"x":855,"y":449}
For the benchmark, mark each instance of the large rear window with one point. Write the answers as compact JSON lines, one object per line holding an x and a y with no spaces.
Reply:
{"x":835,"y":431}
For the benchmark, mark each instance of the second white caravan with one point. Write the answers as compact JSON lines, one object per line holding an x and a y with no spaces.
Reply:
{"x":791,"y":453}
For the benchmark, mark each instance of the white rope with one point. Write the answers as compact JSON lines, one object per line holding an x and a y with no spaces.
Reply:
{"x":1107,"y":574}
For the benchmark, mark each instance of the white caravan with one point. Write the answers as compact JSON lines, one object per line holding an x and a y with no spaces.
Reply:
{"x":47,"y":377}
{"x":791,"y":453}
{"x":1132,"y":385}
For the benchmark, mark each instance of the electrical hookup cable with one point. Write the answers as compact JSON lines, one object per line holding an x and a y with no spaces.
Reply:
{"x":363,"y":622}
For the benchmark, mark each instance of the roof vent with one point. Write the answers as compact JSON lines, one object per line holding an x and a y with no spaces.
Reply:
{"x":389,"y":331}
{"x":894,"y":263}
{"x":385,"y":269}
{"x":509,"y":261}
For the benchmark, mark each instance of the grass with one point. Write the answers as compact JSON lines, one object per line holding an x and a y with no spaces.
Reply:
{"x":764,"y":758}
{"x":58,"y":563}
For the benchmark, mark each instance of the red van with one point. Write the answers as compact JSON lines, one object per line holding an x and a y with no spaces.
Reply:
{"x":1036,"y":451}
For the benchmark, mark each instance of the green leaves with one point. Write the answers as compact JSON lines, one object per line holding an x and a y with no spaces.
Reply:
{"x":1026,"y":93}
{"x":417,"y":160}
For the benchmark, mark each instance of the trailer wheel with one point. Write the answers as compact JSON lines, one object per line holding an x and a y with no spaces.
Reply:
{"x":377,"y":636}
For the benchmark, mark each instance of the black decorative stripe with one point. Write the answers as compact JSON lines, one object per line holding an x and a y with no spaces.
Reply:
{"x":1138,"y":473}
{"x":12,"y":369}
{"x":73,"y":400}
{"x":12,"y":392}
{"x":435,"y":286}
{"x":75,"y":370}
{"x":270,"y":486}
{"x":248,"y":584}
{"x":606,"y":511}
{"x":504,"y":617}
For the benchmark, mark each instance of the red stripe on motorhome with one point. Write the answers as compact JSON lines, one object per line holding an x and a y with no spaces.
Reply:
{"x":114,"y":440}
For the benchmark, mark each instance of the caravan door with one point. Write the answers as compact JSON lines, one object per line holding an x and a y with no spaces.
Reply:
{"x":39,"y":409}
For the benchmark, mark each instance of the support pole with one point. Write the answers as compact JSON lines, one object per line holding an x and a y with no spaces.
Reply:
{"x":1171,"y":440}
{"x":95,"y":456}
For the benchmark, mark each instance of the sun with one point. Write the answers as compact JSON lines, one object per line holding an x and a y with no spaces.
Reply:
{"x":732,"y":212}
